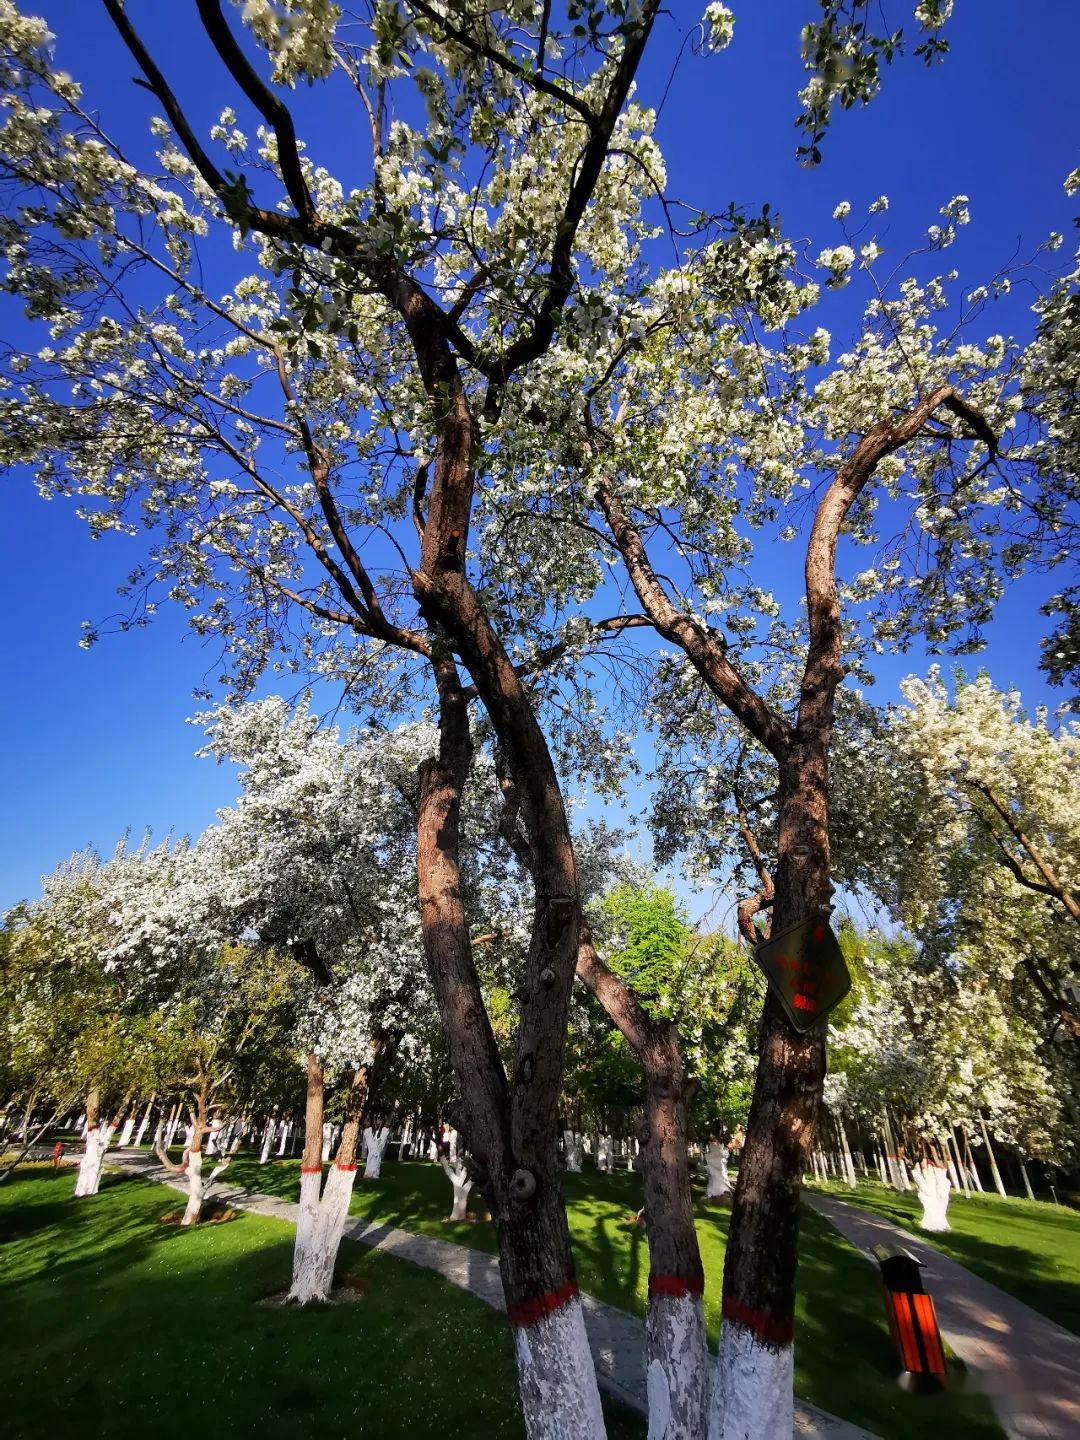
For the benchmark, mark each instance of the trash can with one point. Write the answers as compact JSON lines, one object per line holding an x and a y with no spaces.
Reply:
{"x":911,"y":1315}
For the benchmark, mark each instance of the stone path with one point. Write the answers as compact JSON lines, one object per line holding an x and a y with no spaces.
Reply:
{"x":1027,"y":1365}
{"x":617,"y":1339}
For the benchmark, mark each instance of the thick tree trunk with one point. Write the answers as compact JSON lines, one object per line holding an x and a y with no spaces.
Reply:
{"x":932,"y":1187}
{"x":752,"y":1392}
{"x":193,"y":1163}
{"x":676,"y":1350}
{"x":511,"y":1127}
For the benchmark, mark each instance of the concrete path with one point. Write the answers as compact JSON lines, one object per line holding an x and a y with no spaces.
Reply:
{"x":617,"y":1339}
{"x":1027,"y":1365}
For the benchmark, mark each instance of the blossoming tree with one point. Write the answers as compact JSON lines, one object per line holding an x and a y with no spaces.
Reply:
{"x":318,"y":443}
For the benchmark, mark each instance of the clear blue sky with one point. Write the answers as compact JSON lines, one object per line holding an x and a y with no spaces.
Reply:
{"x":95,"y":741}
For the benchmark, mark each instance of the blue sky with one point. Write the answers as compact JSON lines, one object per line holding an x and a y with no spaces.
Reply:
{"x":96,"y":741}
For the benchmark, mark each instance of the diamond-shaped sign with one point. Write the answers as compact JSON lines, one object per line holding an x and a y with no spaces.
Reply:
{"x":806,"y":970}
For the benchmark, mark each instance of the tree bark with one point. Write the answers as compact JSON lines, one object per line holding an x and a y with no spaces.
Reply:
{"x":510,"y":1127}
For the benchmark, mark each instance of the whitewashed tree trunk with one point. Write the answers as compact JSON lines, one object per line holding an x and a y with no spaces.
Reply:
{"x":1027,"y":1182}
{"x":196,"y":1188}
{"x":932,"y":1186}
{"x":128,"y":1130}
{"x":958,"y":1164}
{"x":999,"y":1184}
{"x":969,"y":1163}
{"x":716,"y":1163}
{"x":459,"y":1178}
{"x":267,"y":1141}
{"x":559,"y":1395}
{"x":327,"y":1141}
{"x":95,"y":1145}
{"x":404,"y":1141}
{"x":374,"y":1145}
{"x":574,"y":1152}
{"x":286,"y":1126}
{"x":174,"y":1124}
{"x":753,"y":1394}
{"x":319,"y":1230}
{"x":845,"y":1150}
{"x":145,"y":1121}
{"x":603,"y":1154}
{"x":677,"y":1380}
{"x":631,"y":1153}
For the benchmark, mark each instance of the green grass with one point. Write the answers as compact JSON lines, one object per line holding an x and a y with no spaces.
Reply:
{"x":113,"y":1325}
{"x":844,"y":1360}
{"x":1026,"y":1247}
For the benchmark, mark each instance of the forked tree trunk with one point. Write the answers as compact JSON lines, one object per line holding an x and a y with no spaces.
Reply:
{"x":460,"y":1179}
{"x":98,"y":1138}
{"x":324,"y":1205}
{"x":374,"y":1146}
{"x":510,"y":1125}
{"x":932,"y":1187}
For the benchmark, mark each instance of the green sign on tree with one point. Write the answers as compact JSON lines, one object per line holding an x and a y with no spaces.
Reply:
{"x":805,"y":968}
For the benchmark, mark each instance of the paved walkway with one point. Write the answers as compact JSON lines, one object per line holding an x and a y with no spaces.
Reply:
{"x":616,"y":1338}
{"x":1029,"y":1367}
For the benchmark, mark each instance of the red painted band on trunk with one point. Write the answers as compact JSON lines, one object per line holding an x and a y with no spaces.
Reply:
{"x":310,"y":1169}
{"x":344,"y":1167}
{"x":769,"y":1328}
{"x":530,"y":1312}
{"x":677,"y":1285}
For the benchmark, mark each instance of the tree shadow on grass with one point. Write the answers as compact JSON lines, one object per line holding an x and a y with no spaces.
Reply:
{"x":163,"y":1336}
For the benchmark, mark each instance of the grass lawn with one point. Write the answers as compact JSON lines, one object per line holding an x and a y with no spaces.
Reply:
{"x":1027,"y":1247}
{"x":844,"y":1360}
{"x":114,"y":1325}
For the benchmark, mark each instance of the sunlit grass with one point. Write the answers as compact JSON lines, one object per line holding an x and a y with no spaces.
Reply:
{"x":1029,"y":1248}
{"x":114,"y":1325}
{"x":843,"y":1355}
